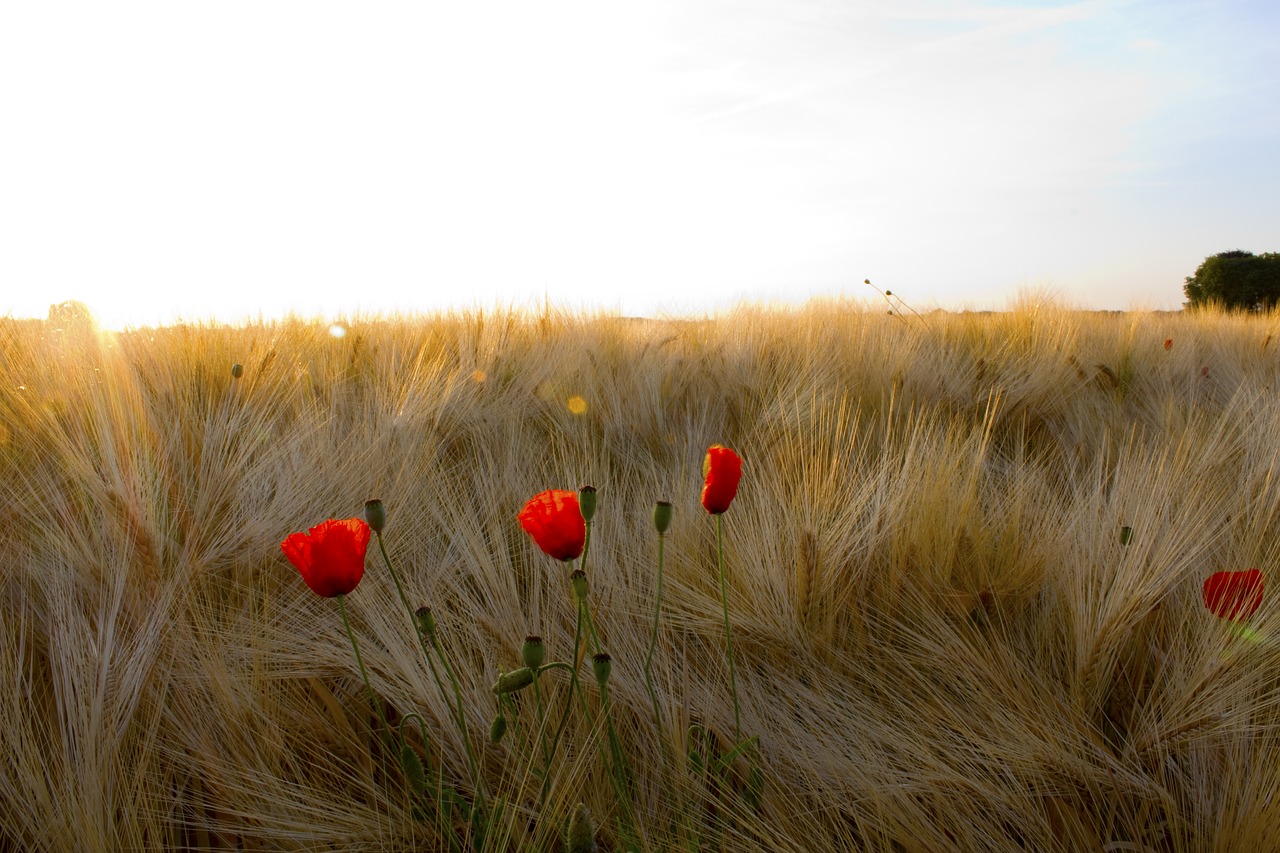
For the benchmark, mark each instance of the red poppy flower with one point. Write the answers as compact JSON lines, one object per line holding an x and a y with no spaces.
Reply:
{"x":1168,"y":343}
{"x":554,"y":519}
{"x":330,"y":556}
{"x":722,"y":469}
{"x":1233,"y":595}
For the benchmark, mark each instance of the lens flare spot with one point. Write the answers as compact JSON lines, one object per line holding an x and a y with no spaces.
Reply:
{"x":1244,"y":632}
{"x":338,"y":330}
{"x":577,"y":405}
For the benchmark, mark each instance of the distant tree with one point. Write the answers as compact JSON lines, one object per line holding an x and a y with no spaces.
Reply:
{"x":1236,"y":279}
{"x":70,"y":314}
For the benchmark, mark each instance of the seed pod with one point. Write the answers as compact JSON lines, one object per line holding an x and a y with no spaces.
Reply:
{"x":582,"y":835}
{"x":587,"y":502}
{"x":426,"y":622}
{"x":413,"y":771}
{"x":580,"y":586}
{"x":514,"y":681}
{"x":602,"y":665}
{"x":533,"y":652}
{"x":662,"y":516}
{"x":375,"y":514}
{"x":497,"y":728}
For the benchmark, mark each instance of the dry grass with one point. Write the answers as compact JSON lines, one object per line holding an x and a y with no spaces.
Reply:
{"x":941,"y":639}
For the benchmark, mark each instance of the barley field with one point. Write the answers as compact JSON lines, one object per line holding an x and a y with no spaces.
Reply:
{"x":964,"y":573}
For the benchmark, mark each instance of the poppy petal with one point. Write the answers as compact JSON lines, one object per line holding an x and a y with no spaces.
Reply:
{"x":330,"y":556}
{"x":1233,"y":595}
{"x":723,"y":470}
{"x":554,"y":519}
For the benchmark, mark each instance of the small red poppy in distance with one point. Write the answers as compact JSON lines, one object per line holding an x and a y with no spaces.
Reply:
{"x":1233,"y":595}
{"x":554,"y":519}
{"x":722,"y":469}
{"x":330,"y":556}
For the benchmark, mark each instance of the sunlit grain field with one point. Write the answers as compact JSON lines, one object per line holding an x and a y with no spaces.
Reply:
{"x":942,"y":638}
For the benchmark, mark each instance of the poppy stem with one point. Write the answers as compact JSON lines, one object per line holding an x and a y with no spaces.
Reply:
{"x":653,"y":642}
{"x":619,"y":770}
{"x":429,"y":643}
{"x":542,"y":718}
{"x":364,"y":675}
{"x":728,"y":635}
{"x":396,"y":577}
{"x":591,"y":628}
{"x":564,"y":715}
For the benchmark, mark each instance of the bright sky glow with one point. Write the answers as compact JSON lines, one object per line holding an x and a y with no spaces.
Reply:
{"x":171,"y":160}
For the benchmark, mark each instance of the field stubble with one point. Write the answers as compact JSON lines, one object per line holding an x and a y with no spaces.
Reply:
{"x":940,"y":636}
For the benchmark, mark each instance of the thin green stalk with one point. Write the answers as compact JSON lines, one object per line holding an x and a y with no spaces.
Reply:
{"x":459,"y":715}
{"x":664,"y":746}
{"x":619,"y":769}
{"x":653,"y":641}
{"x":404,"y":599}
{"x":591,"y":629}
{"x":542,"y":718}
{"x":364,"y":675}
{"x":461,"y":718}
{"x":564,"y":715}
{"x":728,"y":635}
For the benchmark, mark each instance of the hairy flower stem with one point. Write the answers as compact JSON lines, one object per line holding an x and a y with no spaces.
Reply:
{"x":648,"y":659}
{"x":591,"y":627}
{"x":462,"y":723}
{"x":364,"y":675}
{"x":430,"y":642}
{"x":619,"y":770}
{"x":542,"y":720}
{"x":728,"y":635}
{"x":564,"y":715}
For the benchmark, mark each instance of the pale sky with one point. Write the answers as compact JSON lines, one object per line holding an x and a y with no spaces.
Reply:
{"x":226,"y":160}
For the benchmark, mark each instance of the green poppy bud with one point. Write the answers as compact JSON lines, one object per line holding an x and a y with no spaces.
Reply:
{"x":587,"y":501}
{"x":426,"y":622}
{"x":237,"y":370}
{"x":533,"y":652}
{"x":413,"y":770}
{"x":662,"y":516}
{"x":497,"y":728}
{"x":514,"y":681}
{"x":375,"y":514}
{"x":582,"y":835}
{"x":602,"y":665}
{"x":580,"y":587}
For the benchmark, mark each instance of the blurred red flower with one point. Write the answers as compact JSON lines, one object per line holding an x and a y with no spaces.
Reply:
{"x":330,"y":556}
{"x":1233,"y":595}
{"x":1168,"y":343}
{"x":554,"y":519}
{"x":722,"y":469}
